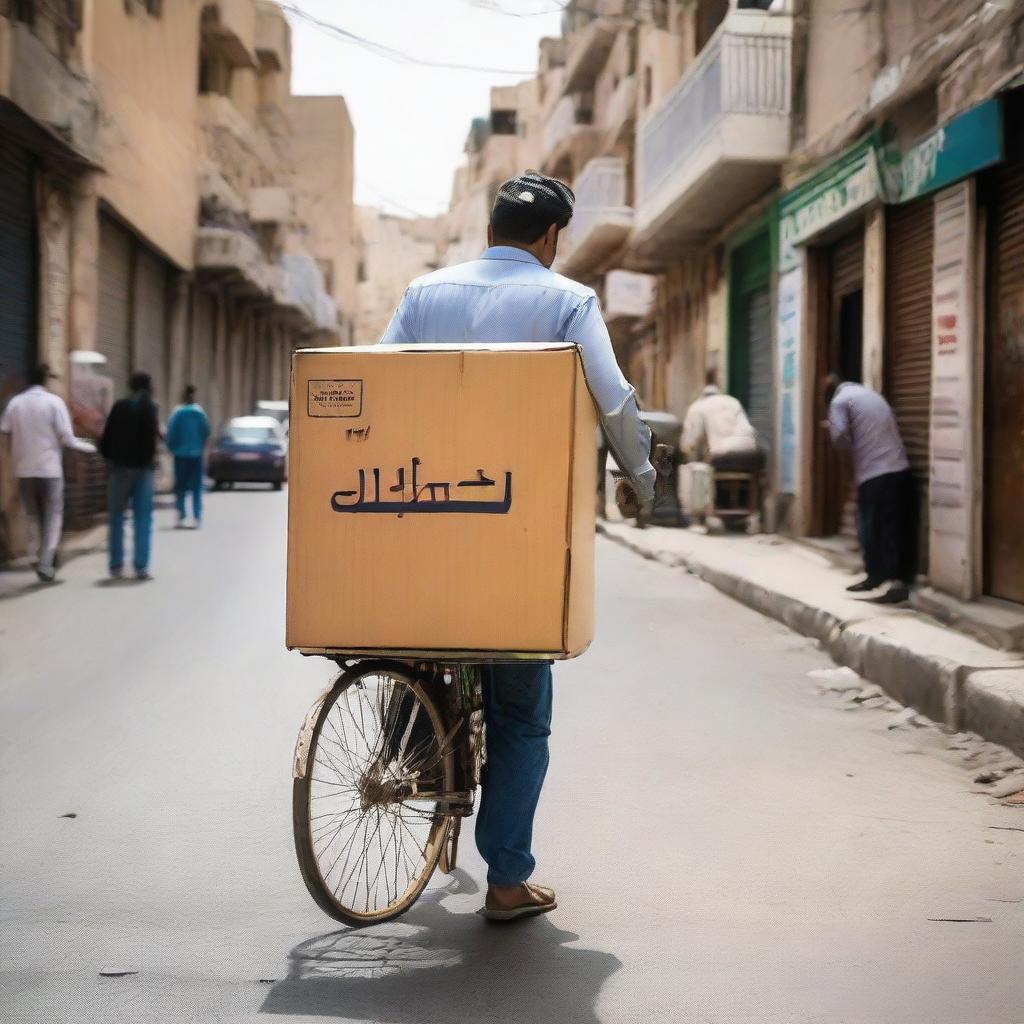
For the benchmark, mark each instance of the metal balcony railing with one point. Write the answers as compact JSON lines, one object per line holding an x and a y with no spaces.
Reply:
{"x":563,"y":120}
{"x":740,"y":71}
{"x":600,"y":191}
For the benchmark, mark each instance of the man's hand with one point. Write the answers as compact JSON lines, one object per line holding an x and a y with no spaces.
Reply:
{"x":628,"y":503}
{"x":662,"y":458}
{"x":626,"y":500}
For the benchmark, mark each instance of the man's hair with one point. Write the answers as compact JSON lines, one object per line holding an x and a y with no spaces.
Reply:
{"x":140,"y":381}
{"x":711,"y":378}
{"x":39,"y":374}
{"x":831,"y":383}
{"x":190,"y":394}
{"x":527,"y":205}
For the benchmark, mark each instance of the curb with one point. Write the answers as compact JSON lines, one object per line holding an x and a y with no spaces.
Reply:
{"x":988,"y":701}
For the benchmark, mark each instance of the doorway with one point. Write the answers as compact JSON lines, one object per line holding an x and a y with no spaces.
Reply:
{"x":839,"y":272}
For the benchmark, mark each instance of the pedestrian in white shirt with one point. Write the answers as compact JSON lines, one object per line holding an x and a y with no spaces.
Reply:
{"x":40,"y":427}
{"x":717,"y":429}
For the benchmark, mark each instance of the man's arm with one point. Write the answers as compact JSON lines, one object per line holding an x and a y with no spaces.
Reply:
{"x":65,"y":432}
{"x":397,"y":332}
{"x":628,"y":436}
{"x":839,"y":422}
{"x":693,"y":432}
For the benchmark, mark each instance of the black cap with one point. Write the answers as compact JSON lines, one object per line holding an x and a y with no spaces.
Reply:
{"x":527,"y":205}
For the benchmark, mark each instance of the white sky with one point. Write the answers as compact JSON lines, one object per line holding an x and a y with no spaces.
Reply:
{"x":411,"y":121}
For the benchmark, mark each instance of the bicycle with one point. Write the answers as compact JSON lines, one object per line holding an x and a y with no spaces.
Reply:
{"x":386,"y":767}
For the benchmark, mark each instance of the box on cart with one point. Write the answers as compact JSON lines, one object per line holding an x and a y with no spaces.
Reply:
{"x":441,"y":501}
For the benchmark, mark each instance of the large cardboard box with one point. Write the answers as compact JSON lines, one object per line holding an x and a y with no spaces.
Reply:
{"x":441,"y":501}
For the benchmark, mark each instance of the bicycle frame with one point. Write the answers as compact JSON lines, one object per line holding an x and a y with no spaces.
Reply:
{"x":456,"y":689}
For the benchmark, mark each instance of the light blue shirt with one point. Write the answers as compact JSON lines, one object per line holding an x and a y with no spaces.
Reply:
{"x":508,"y":296}
{"x":863,"y":420}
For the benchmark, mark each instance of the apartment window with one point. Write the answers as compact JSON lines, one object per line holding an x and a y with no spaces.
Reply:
{"x":152,"y":7}
{"x":648,"y":85}
{"x":503,"y":122}
{"x":23,"y":10}
{"x":361,"y":277}
{"x":710,"y":14}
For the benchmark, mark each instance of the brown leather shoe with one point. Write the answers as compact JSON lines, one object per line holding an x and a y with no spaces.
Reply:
{"x":508,"y":903}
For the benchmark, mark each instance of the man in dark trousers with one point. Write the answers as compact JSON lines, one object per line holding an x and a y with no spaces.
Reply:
{"x":862,"y":421}
{"x":509,"y":294}
{"x":129,"y":443}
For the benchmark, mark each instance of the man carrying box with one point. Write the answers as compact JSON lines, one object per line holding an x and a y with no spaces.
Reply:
{"x":510,"y":295}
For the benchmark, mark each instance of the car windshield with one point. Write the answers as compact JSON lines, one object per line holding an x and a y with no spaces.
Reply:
{"x":250,"y":435}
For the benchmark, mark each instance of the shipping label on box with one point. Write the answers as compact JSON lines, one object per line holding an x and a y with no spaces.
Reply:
{"x":441,"y":501}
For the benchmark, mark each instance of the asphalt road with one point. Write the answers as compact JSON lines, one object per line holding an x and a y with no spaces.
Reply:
{"x":728,"y":845}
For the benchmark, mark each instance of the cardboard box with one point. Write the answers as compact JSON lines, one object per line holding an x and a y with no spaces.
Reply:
{"x":441,"y":501}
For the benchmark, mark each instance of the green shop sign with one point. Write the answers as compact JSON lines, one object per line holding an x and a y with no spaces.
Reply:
{"x":967,"y":144}
{"x":843,"y":187}
{"x":872,"y":170}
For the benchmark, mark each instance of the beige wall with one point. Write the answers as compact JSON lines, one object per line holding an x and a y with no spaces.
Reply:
{"x":841,"y":64}
{"x":395,"y":251}
{"x":322,"y":150}
{"x":146,"y":72}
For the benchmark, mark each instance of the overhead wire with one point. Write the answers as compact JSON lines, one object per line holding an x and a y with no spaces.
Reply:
{"x":391,"y":52}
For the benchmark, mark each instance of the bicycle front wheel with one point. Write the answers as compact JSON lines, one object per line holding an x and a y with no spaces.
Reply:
{"x":370,"y":812}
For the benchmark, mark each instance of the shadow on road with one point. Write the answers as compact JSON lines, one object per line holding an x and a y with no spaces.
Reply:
{"x":434,"y":964}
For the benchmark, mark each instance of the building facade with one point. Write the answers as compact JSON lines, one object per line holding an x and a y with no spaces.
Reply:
{"x":165,"y":205}
{"x":768,"y":190}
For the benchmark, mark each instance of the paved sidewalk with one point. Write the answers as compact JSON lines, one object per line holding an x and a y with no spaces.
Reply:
{"x":17,"y":577}
{"x":946,"y":675}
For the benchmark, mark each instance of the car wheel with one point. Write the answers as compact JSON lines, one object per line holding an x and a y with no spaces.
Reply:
{"x":217,"y":485}
{"x":277,"y":485}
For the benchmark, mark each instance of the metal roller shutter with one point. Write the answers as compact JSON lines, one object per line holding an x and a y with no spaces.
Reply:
{"x":17,"y":268}
{"x":114,"y":315}
{"x":909,"y":234}
{"x":149,"y":353}
{"x":759,"y":335}
{"x":1004,"y":391}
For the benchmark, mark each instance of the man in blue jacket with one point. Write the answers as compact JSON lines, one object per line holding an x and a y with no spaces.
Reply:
{"x":188,"y":430}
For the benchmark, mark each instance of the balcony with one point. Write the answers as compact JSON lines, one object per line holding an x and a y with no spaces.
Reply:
{"x":233,"y":145}
{"x":570,"y":138}
{"x":302,"y":292}
{"x":232,"y":256}
{"x":628,"y":296}
{"x":229,"y":29}
{"x":717,"y":140}
{"x":272,"y":37}
{"x":271,"y":204}
{"x":601,"y":221}
{"x":588,"y":52}
{"x":64,"y":105}
{"x":620,"y":114}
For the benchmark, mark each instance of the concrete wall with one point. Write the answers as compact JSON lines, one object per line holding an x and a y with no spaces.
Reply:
{"x":146,"y":71}
{"x":322,"y":148}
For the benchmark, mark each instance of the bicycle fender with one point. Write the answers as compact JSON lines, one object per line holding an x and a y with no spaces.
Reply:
{"x":300,"y":760}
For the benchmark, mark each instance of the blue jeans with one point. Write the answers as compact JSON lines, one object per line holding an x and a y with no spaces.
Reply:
{"x":517,"y":712}
{"x":188,"y":479}
{"x":128,"y":484}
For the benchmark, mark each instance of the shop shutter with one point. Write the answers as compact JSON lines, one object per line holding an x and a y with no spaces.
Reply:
{"x":113,"y":320}
{"x":149,"y":352}
{"x":1004,"y":398}
{"x":909,"y":234}
{"x":759,"y":337}
{"x":17,"y":268}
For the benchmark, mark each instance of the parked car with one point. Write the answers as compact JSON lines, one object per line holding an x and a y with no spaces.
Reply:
{"x":275,"y":408}
{"x":249,"y":449}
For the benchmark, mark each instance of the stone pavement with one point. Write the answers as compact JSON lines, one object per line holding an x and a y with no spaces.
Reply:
{"x":950,"y":677}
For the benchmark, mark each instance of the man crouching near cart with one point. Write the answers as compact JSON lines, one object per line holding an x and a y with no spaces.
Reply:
{"x":510,"y":295}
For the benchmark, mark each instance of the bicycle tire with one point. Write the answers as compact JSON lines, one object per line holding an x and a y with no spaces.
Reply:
{"x":310,"y":786}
